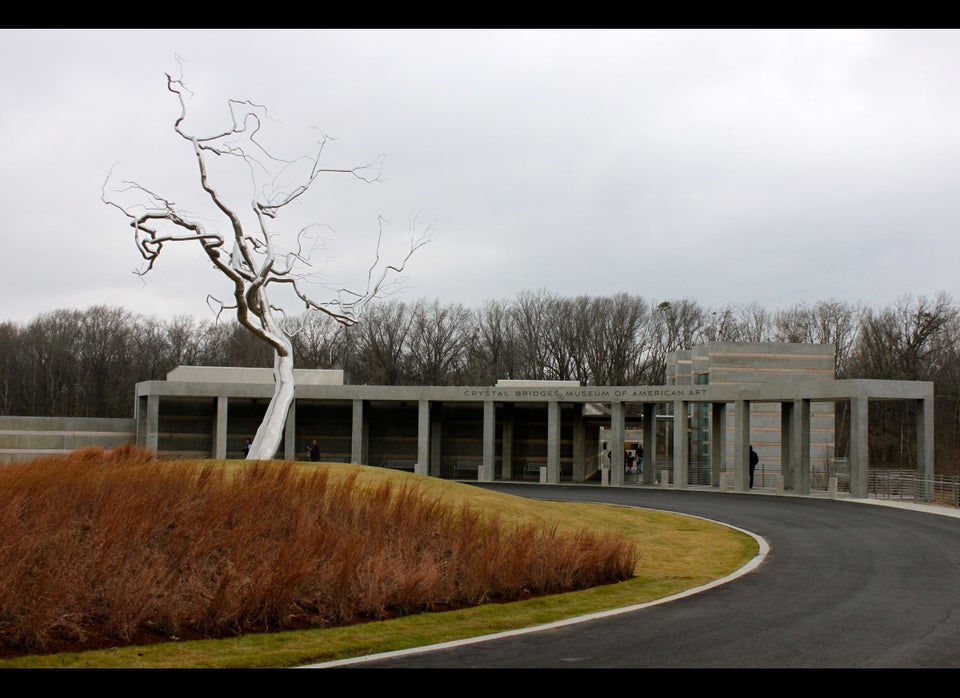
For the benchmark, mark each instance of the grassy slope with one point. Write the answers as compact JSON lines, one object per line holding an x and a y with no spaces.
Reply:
{"x":676,"y":553}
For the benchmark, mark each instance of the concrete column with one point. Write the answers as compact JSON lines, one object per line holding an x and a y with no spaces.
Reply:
{"x":787,"y":456}
{"x":553,"y":442}
{"x":617,"y":435}
{"x":925,"y":446}
{"x":423,"y":438}
{"x":153,"y":422}
{"x":489,"y":441}
{"x":858,"y":457}
{"x":290,"y":433}
{"x":741,"y":450}
{"x":649,"y":443}
{"x":718,"y":441}
{"x":681,"y":444}
{"x":800,"y":448}
{"x":592,"y":446}
{"x":359,"y":441}
{"x":579,"y":445}
{"x":436,"y":438}
{"x":220,"y":428}
{"x":506,"y":442}
{"x":140,"y":420}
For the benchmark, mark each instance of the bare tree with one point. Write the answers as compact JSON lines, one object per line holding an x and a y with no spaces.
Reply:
{"x":618,"y":353}
{"x":492,"y":351}
{"x":104,"y":355}
{"x":572,"y":338}
{"x":753,"y":321}
{"x":379,"y":345}
{"x":531,"y":320}
{"x":906,"y":342}
{"x":721,"y":325}
{"x":678,"y":325}
{"x":827,"y":322}
{"x":437,"y":342}
{"x":253,"y":256}
{"x":836,"y":323}
{"x":792,"y":324}
{"x":320,"y":342}
{"x":51,"y":384}
{"x":9,"y":365}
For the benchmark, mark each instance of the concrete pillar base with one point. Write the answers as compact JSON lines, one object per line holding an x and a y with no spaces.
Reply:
{"x":665,"y":479}
{"x":543,"y":475}
{"x":832,"y":486}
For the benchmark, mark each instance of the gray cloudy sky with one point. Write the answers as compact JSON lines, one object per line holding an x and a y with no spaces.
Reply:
{"x":725,"y":166}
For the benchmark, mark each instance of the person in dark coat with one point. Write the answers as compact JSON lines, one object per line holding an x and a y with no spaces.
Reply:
{"x":314,"y":451}
{"x":754,"y":459}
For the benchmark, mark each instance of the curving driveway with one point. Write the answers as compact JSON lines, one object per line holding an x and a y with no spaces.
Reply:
{"x":845,"y":584}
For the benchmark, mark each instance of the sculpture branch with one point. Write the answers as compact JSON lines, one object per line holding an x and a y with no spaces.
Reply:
{"x":256,"y":261}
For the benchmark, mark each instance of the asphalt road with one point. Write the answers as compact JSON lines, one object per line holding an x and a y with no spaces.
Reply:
{"x":844,"y":585}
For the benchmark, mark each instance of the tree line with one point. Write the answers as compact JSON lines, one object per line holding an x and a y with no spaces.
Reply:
{"x":85,"y":363}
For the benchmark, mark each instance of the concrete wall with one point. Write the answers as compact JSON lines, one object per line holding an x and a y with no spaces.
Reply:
{"x":26,"y":438}
{"x":740,"y":363}
{"x":233,"y":374}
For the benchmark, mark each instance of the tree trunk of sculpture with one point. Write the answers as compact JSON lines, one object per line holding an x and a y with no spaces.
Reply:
{"x":266,"y":444}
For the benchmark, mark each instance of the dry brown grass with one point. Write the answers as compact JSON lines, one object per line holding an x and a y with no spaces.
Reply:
{"x":112,"y":548}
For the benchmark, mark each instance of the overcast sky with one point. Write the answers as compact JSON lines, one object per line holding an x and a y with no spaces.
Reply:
{"x":724,"y":166}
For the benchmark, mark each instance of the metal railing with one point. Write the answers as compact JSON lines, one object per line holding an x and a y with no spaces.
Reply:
{"x":907,"y":485}
{"x":882,"y":483}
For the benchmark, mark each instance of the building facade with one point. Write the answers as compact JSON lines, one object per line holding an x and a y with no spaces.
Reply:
{"x":758,"y":363}
{"x":548,"y":431}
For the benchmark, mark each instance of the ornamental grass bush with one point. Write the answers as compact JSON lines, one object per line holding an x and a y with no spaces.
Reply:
{"x":105,"y":548}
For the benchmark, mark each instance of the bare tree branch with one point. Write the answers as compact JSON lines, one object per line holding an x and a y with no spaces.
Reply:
{"x":254,"y":257}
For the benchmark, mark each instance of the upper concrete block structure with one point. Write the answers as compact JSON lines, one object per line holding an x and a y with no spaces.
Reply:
{"x":221,"y":374}
{"x":531,"y":430}
{"x":755,"y":363}
{"x":26,"y":438}
{"x":719,"y":363}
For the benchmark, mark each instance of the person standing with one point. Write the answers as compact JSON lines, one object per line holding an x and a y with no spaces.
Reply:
{"x":754,"y":459}
{"x":246,"y":448}
{"x":314,"y":451}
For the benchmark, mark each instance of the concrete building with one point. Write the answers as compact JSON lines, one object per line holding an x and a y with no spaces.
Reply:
{"x":696,"y":429}
{"x":721,"y":398}
{"x":756,"y":363}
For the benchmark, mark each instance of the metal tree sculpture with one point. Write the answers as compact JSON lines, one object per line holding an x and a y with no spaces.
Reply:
{"x":251,"y":255}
